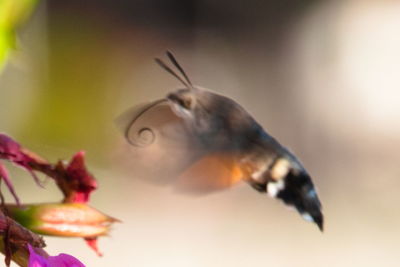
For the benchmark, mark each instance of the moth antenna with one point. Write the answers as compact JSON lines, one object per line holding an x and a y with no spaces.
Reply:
{"x":176,"y":64}
{"x":169,"y":70}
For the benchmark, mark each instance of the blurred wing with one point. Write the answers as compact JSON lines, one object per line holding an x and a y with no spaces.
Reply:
{"x":212,"y":172}
{"x":160,"y":147}
{"x":164,"y":151}
{"x":142,"y":123}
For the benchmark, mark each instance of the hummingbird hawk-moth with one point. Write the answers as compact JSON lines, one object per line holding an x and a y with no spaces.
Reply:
{"x":203,"y":141}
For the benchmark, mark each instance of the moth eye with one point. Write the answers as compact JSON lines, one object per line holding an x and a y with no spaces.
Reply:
{"x":182,"y":100}
{"x":187,"y":103}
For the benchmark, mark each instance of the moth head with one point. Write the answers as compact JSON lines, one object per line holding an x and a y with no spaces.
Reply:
{"x":191,"y":103}
{"x":204,"y":112}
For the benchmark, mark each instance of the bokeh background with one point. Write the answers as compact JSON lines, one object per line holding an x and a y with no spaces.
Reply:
{"x":323,"y":77}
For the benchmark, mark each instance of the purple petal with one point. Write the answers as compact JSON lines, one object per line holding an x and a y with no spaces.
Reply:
{"x":36,"y":260}
{"x":62,"y":260}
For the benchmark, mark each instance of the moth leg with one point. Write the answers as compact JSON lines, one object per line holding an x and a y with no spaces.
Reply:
{"x":252,"y":173}
{"x":262,"y":188}
{"x":259,"y":186}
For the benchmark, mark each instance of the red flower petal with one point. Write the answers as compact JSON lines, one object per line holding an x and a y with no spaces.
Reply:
{"x":92,"y":243}
{"x":79,"y":183}
{"x":4,"y":175}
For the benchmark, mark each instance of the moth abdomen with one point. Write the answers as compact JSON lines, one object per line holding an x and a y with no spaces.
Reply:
{"x":286,"y":180}
{"x":299,"y":191}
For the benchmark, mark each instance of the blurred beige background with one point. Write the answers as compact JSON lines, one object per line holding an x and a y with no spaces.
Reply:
{"x":323,"y":77}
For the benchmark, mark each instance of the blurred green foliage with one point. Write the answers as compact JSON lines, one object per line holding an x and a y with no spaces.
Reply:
{"x":60,"y":95}
{"x":73,"y":106}
{"x":12,"y":14}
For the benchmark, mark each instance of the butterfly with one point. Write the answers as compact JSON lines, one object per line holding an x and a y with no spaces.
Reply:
{"x":202,"y":141}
